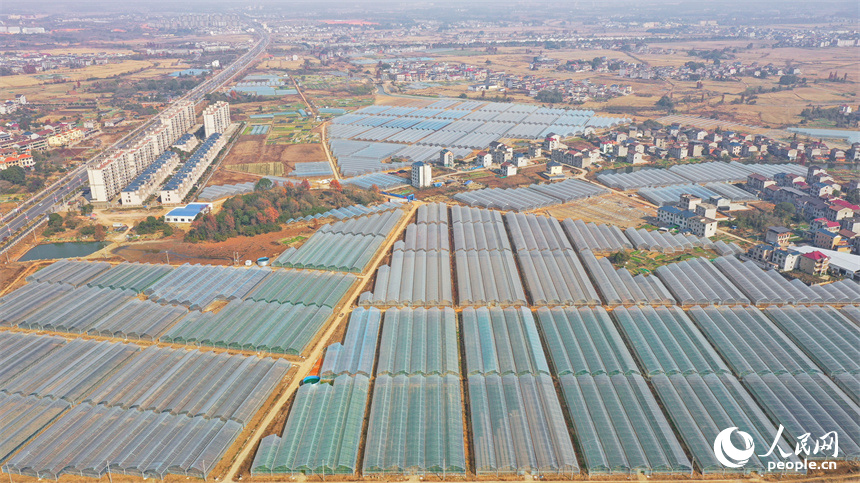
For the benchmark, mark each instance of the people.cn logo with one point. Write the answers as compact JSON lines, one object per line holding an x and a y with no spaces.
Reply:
{"x":729,"y":455}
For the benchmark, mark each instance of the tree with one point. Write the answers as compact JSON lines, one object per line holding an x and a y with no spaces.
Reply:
{"x":620,"y":257}
{"x":13,"y":174}
{"x":263,"y":184}
{"x":335,"y":185}
{"x":550,"y":96}
{"x":666,"y":103}
{"x":99,"y":233}
{"x":463,"y":96}
{"x":86,"y":209}
{"x":784,"y":210}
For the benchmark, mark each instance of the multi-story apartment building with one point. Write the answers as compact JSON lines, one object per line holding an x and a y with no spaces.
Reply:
{"x":121,"y":167}
{"x":145,"y":184}
{"x":216,"y":118}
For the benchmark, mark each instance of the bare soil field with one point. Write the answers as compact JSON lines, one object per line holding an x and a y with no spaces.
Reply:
{"x":224,"y":176}
{"x":220,"y":253}
{"x":614,"y":209}
{"x":253,"y":149}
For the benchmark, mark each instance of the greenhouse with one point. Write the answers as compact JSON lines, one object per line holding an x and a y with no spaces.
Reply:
{"x":824,"y":334}
{"x":765,"y":287}
{"x":22,"y":417}
{"x":488,"y":277}
{"x":749,"y":342}
{"x":19,"y":351}
{"x":346,"y":246}
{"x":136,"y":319}
{"x":665,"y":242}
{"x":71,"y":371}
{"x":79,"y":309}
{"x":725,"y":249}
{"x":381,"y":180}
{"x":518,"y":426}
{"x":700,"y":406}
{"x":644,"y":178}
{"x":697,"y":282}
{"x":594,"y":237}
{"x":556,"y":278}
{"x":302,"y":287}
{"x":94,"y":440}
{"x":502,"y":341}
{"x":314,"y":442}
{"x":414,"y":278}
{"x":75,"y":273}
{"x":249,"y":325}
{"x":530,"y":197}
{"x":584,"y":341}
{"x":355,"y":355}
{"x":192,"y":383}
{"x":416,"y":426}
{"x":131,"y":276}
{"x":711,"y":172}
{"x":530,"y":232}
{"x":419,"y":342}
{"x":620,"y":427}
{"x":17,"y":304}
{"x":197,"y":286}
{"x":618,"y":287}
{"x":481,"y":236}
{"x":426,"y":237}
{"x":809,"y":404}
{"x":665,"y":341}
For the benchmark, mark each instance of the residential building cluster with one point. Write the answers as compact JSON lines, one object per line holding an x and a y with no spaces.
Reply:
{"x":180,"y":184}
{"x":679,"y":142}
{"x":35,"y":62}
{"x":690,"y":215}
{"x":122,"y":166}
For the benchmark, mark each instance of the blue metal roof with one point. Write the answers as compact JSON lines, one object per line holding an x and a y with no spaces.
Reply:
{"x":189,"y":210}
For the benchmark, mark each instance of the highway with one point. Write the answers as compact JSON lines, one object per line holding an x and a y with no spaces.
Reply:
{"x":42,"y":204}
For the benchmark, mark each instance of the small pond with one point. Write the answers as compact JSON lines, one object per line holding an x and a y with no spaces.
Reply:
{"x":62,"y":250}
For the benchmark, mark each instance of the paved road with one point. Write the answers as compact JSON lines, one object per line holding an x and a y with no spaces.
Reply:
{"x":42,"y":204}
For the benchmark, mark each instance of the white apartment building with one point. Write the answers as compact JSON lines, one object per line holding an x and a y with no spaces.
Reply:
{"x":422,"y":175}
{"x":216,"y":118}
{"x":123,"y":166}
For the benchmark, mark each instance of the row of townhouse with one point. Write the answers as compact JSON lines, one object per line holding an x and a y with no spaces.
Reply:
{"x":180,"y":184}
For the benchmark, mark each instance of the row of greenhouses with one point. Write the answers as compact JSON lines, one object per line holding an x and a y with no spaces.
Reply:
{"x":618,"y":287}
{"x":480,"y":236}
{"x":665,"y":242}
{"x":556,"y":277}
{"x":197,"y":286}
{"x":23,"y":416}
{"x":426,"y":237}
{"x":765,"y":287}
{"x":192,"y":383}
{"x":132,"y":276}
{"x":416,"y":278}
{"x":782,"y":379}
{"x":72,"y":272}
{"x":346,"y":246}
{"x":17,"y":304}
{"x":301,"y":287}
{"x":69,"y":372}
{"x":699,"y":282}
{"x":701,"y":406}
{"x":415,"y":426}
{"x":488,"y":277}
{"x":355,"y":355}
{"x":19,"y":351}
{"x":249,"y":325}
{"x":530,"y":232}
{"x":135,"y":319}
{"x":502,"y":341}
{"x":313,"y":440}
{"x":620,"y":426}
{"x":96,"y":440}
{"x":419,"y":342}
{"x":518,"y":426}
{"x":596,"y":237}
{"x":530,"y":197}
{"x":80,"y":308}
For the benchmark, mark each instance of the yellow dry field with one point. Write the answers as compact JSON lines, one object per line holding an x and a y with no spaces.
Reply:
{"x":99,"y":71}
{"x":280,"y":64}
